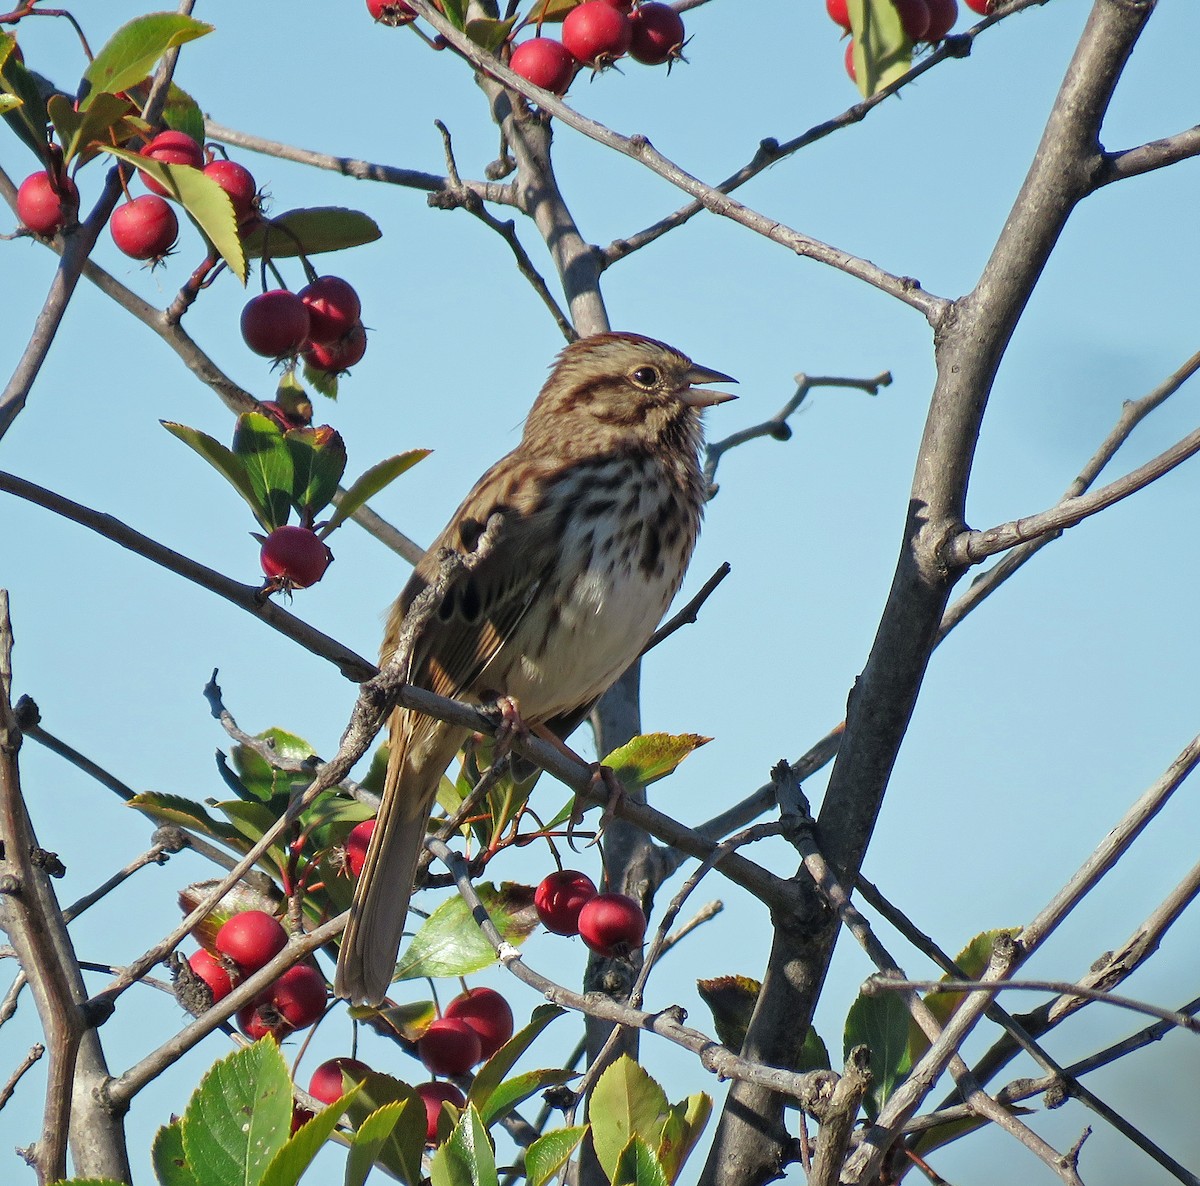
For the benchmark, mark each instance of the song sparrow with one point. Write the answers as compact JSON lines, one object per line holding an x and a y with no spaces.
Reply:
{"x":590,"y":524}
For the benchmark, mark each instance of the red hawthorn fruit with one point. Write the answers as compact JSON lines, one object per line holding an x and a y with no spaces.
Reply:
{"x":171,"y":148}
{"x":275,"y":324}
{"x":259,"y":1018}
{"x":238,"y":182}
{"x":356,"y":846}
{"x":983,"y":7}
{"x":849,"y":60}
{"x":333,"y":308}
{"x":334,"y":358}
{"x":145,"y":228}
{"x":839,"y":13}
{"x":560,"y":897}
{"x":544,"y":62}
{"x":433,"y":1095}
{"x":299,"y":995}
{"x":596,"y":33}
{"x":326,"y":1083}
{"x":914,"y":17}
{"x":40,"y":206}
{"x":251,"y":939}
{"x":391,"y":12}
{"x":612,"y":924}
{"x":943,"y":14}
{"x":300,"y":1117}
{"x":449,"y":1047}
{"x":295,"y":555}
{"x":657,"y":34}
{"x":212,"y":972}
{"x":488,"y":1014}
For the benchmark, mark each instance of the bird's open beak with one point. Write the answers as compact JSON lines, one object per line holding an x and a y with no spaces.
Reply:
{"x":699,"y":397}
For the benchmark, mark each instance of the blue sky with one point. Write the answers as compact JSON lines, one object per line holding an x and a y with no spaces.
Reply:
{"x":1042,"y":717}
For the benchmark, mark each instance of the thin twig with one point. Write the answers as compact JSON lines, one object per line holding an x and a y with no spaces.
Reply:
{"x":690,"y":612}
{"x":6,"y":1092}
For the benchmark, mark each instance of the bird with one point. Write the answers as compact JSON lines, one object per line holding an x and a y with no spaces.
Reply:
{"x":572,"y":547}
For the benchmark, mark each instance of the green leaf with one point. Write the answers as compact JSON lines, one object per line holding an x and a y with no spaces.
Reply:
{"x":318,"y":462}
{"x":651,"y":756}
{"x":519,"y":1088}
{"x":311,"y":232}
{"x":551,"y":11}
{"x":322,"y":382}
{"x":731,"y":1000}
{"x":410,"y":1019}
{"x":164,"y":808}
{"x":371,"y":483}
{"x":239,"y":1116}
{"x":682,"y":1130}
{"x":450,"y":942}
{"x":881,"y":1021}
{"x":263,"y":780}
{"x":231,"y":467}
{"x":626,"y":1103}
{"x":368,"y":1141}
{"x":77,"y":130}
{"x":182,"y":113}
{"x":637,"y":1166}
{"x":455,"y":11}
{"x":814,"y":1055}
{"x":132,"y":51}
{"x":489,"y":33}
{"x":258,"y":442}
{"x":170,"y":1164}
{"x":302,"y":1147}
{"x":205,"y":202}
{"x":882,"y":50}
{"x":490,"y":1076}
{"x":548,"y":1154}
{"x":467,"y":1158}
{"x":28,"y":118}
{"x":8,"y":103}
{"x":400,"y":1149}
{"x":251,"y":820}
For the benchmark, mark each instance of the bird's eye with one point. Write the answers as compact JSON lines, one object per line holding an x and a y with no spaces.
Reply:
{"x":645,"y":377}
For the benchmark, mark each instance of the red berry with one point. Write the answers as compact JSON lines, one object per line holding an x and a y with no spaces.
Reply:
{"x":356,"y":845}
{"x":839,"y":13}
{"x":326,"y":1084}
{"x":333,"y":308}
{"x":942,"y":17}
{"x":488,"y":1014}
{"x":336,"y":357}
{"x":449,"y":1047}
{"x":251,"y":939}
{"x":850,"y":68}
{"x":295,"y":555}
{"x":300,"y":1117}
{"x":596,"y":33}
{"x":259,"y":1018}
{"x":299,"y":995}
{"x":275,"y":324}
{"x":238,"y":183}
{"x":657,"y":34}
{"x":544,"y":62}
{"x":212,"y":972}
{"x":983,"y":7}
{"x":40,"y":205}
{"x":391,"y":12}
{"x":172,"y":148}
{"x":145,"y":228}
{"x":433,"y":1095}
{"x":612,"y":924}
{"x":914,"y":17}
{"x":559,"y":899}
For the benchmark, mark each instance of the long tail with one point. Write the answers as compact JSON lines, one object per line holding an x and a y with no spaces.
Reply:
{"x":367,"y":959}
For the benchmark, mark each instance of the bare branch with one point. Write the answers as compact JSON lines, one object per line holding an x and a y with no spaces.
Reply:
{"x":6,"y":1092}
{"x":1158,"y":154}
{"x":690,"y":612}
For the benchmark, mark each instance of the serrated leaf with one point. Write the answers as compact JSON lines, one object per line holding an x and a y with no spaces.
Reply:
{"x":166,"y":1154}
{"x":164,"y":808}
{"x":548,"y":1154}
{"x":258,"y":442}
{"x":637,"y":1166}
{"x":225,"y":461}
{"x":401,"y":1148}
{"x":130,"y":54}
{"x":375,"y":479}
{"x":550,"y":11}
{"x":239,"y":1116}
{"x":368,"y":1140}
{"x":681,"y":1131}
{"x":519,"y":1088}
{"x":263,"y":780}
{"x":467,"y":1158}
{"x":490,"y":1077}
{"x":731,"y":1000}
{"x":28,"y":117}
{"x":204,"y":201}
{"x":322,"y":382}
{"x":252,"y":820}
{"x":880,"y":1021}
{"x":182,"y":113}
{"x":626,"y":1103}
{"x":455,"y":11}
{"x":311,"y":231}
{"x":651,"y":756}
{"x":882,"y":50}
{"x":318,"y":462}
{"x":410,"y":1019}
{"x":450,"y":942}
{"x":77,"y":130}
{"x":489,"y":34}
{"x":302,"y":1147}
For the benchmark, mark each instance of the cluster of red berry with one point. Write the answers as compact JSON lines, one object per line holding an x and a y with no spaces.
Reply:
{"x":924,"y":21}
{"x":322,"y":323}
{"x":611,"y":925}
{"x":245,"y":943}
